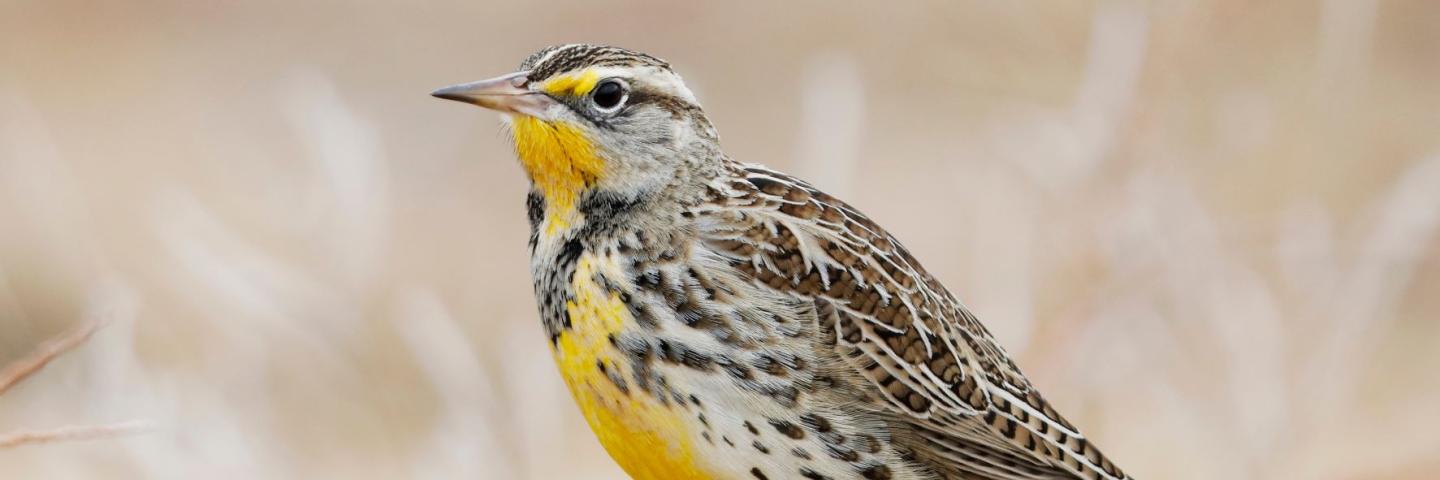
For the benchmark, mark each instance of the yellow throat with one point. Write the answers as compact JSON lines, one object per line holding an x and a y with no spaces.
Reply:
{"x":562,"y":164}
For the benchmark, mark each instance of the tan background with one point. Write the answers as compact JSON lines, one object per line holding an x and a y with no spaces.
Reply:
{"x":1207,"y":228}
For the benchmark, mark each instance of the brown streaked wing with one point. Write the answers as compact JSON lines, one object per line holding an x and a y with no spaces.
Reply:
{"x":932,"y":361}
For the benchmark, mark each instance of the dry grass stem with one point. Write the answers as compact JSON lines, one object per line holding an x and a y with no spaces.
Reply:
{"x":21,"y":369}
{"x":73,"y":432}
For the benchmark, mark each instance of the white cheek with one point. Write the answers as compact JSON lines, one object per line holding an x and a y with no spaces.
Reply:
{"x":551,"y":114}
{"x":558,"y":112}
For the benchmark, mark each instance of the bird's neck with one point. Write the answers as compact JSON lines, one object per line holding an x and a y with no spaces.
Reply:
{"x":571,"y":194}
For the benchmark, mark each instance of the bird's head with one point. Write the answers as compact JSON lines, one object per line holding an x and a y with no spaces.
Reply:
{"x":596,"y":121}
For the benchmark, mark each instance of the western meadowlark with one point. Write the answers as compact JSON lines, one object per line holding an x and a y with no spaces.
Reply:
{"x":720,"y":320}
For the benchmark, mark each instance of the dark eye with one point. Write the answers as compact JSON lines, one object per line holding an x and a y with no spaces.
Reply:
{"x":609,"y":94}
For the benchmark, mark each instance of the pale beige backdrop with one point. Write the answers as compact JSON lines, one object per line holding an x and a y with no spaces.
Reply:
{"x":1207,"y":228}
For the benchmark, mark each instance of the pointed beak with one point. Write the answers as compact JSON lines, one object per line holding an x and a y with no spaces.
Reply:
{"x":506,"y":94}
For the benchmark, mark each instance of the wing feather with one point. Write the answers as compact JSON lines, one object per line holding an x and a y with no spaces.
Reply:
{"x":936,"y":367}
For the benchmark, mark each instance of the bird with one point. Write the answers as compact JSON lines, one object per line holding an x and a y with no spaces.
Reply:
{"x":714,"y":319}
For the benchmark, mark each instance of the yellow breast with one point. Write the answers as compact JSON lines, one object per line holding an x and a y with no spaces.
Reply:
{"x":650,"y":440}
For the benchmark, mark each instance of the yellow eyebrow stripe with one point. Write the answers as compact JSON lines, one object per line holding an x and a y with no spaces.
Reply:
{"x":576,"y":84}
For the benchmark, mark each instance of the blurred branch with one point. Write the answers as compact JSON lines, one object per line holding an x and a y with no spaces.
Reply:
{"x":21,"y":369}
{"x":74,"y":432}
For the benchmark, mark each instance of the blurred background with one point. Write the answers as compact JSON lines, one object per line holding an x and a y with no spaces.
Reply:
{"x":1206,"y":228}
